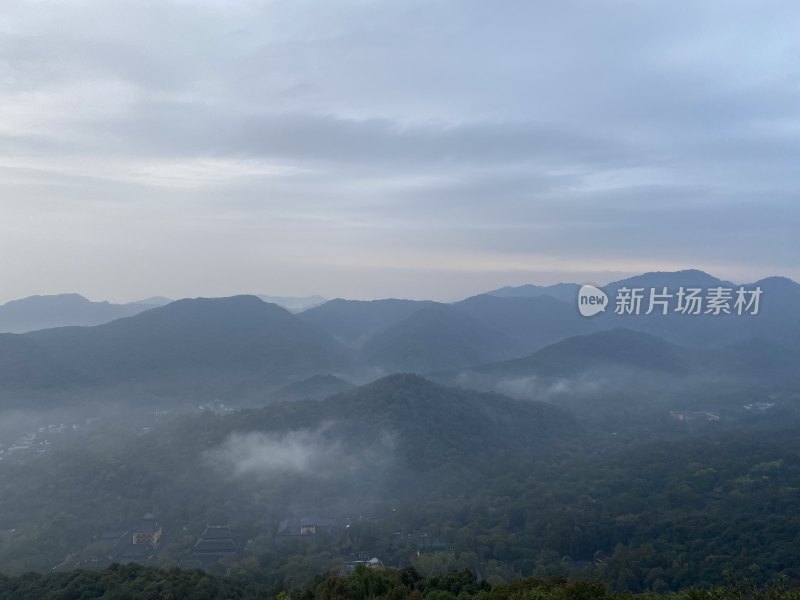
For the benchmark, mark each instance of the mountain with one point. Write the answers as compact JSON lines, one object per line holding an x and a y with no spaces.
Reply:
{"x":242,"y":346}
{"x":419,"y":415}
{"x":780,"y":311}
{"x":154,"y":301}
{"x":566,"y":292}
{"x":353,"y":322}
{"x":435,"y":338}
{"x":26,"y":366}
{"x":531,"y":322}
{"x":601,"y":350}
{"x":670,"y":279}
{"x":431,"y":423}
{"x":758,"y":362}
{"x":317,"y":387}
{"x":602,"y":375}
{"x":777,"y":318}
{"x":681,"y":329}
{"x":626,"y":376}
{"x":44,"y":312}
{"x":401,"y":435}
{"x":294,"y":304}
{"x":229,"y":346}
{"x":400,"y":443}
{"x":614,"y":356}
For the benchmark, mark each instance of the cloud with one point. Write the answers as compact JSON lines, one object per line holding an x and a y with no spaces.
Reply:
{"x":319,"y":452}
{"x":544,"y":389}
{"x":551,"y":391}
{"x":392,"y":137}
{"x":256,"y":453}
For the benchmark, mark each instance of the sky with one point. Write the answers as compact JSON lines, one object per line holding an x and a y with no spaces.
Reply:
{"x":407,"y":148}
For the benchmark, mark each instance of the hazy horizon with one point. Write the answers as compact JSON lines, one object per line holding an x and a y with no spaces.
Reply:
{"x":607,"y":278}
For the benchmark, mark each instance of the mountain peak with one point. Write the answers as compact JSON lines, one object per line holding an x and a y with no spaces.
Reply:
{"x":68,"y":298}
{"x":778,"y":281}
{"x":566,"y":292}
{"x":239,"y":300}
{"x":241,"y":312}
{"x":59,"y":310}
{"x":153,"y":301}
{"x":670,"y":279}
{"x":401,"y":379}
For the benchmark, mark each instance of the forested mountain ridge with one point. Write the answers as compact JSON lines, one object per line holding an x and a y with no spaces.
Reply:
{"x":394,"y":442}
{"x":437,"y":337}
{"x":241,"y":348}
{"x":61,"y":310}
{"x":353,"y":322}
{"x":205,"y":347}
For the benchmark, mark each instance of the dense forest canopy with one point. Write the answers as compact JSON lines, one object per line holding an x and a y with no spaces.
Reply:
{"x":134,"y":581}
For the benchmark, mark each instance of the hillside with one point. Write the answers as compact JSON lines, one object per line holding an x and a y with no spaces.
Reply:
{"x":435,"y":338}
{"x":353,"y":322}
{"x":230,"y":346}
{"x":622,"y":379}
{"x":530,"y":322}
{"x":26,"y":366}
{"x":777,"y":319}
{"x":317,"y":387}
{"x":401,"y":439}
{"x":419,"y":475}
{"x":614,"y":348}
{"x":410,"y":421}
{"x":45,"y":312}
{"x":565,"y":292}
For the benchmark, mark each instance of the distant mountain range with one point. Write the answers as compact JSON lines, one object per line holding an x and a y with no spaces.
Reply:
{"x":778,"y":316}
{"x":243,"y":347}
{"x":622,"y":370}
{"x":427,"y":336}
{"x":566,"y":292}
{"x":45,"y":312}
{"x":65,"y":310}
{"x":201,"y":347}
{"x":294,"y":303}
{"x":353,"y":322}
{"x":436,"y":337}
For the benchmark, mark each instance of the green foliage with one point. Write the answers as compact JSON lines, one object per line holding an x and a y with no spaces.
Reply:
{"x":507,"y":489}
{"x":135,"y":582}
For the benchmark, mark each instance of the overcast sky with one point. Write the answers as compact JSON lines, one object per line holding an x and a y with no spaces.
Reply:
{"x":393,"y":148}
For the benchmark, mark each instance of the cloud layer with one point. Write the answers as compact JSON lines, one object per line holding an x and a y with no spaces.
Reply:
{"x":255,"y":453}
{"x":320,"y":452}
{"x":363,"y":148}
